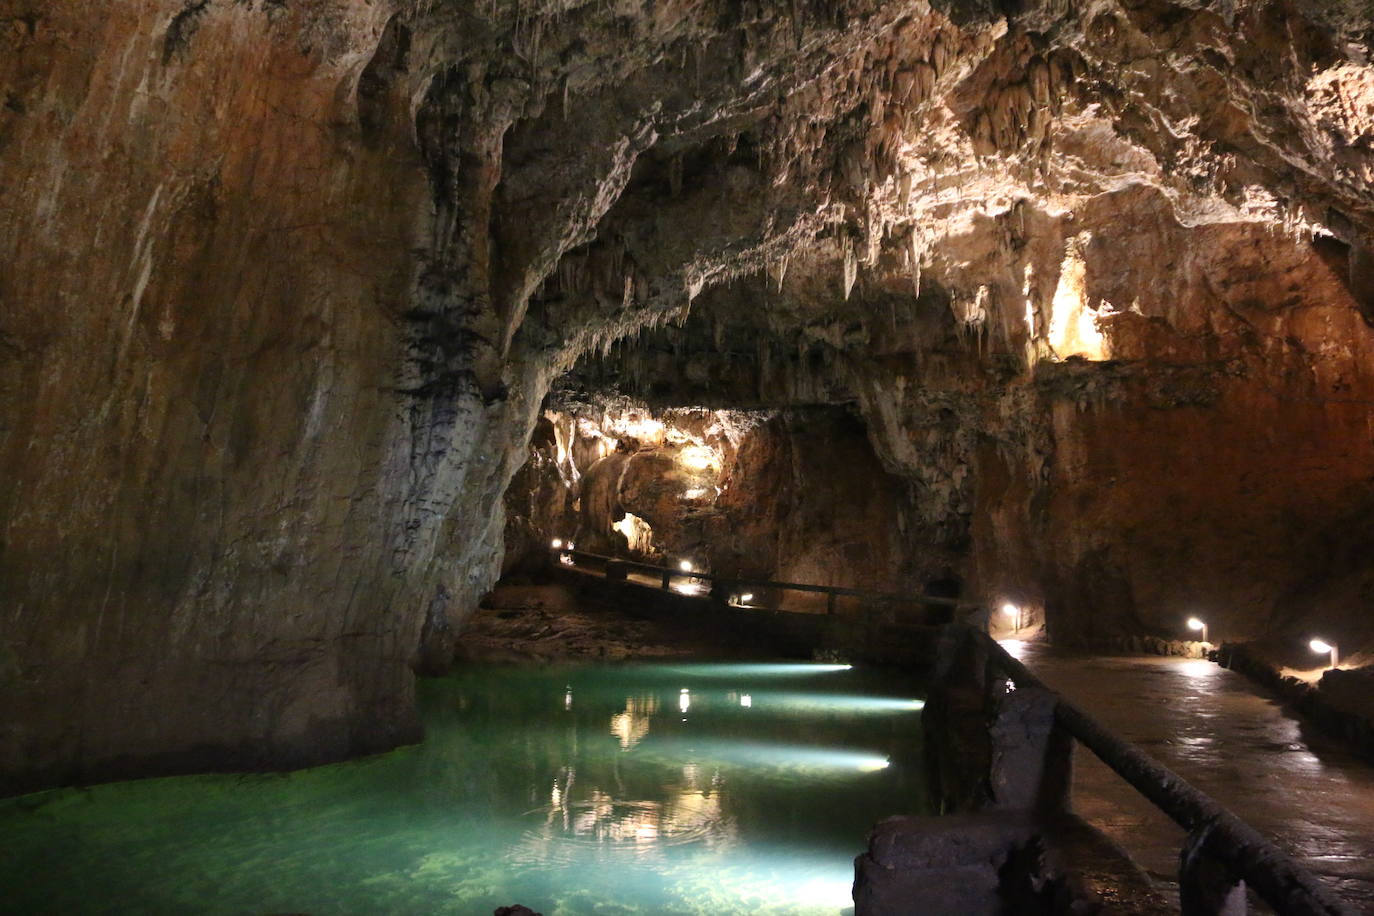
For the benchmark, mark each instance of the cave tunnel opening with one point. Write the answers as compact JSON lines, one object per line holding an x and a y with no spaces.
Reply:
{"x":345,"y":345}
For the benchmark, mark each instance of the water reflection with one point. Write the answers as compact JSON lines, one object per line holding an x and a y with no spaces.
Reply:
{"x":798,"y":702}
{"x":1197,"y":668}
{"x":1016,"y":648}
{"x":687,"y":815}
{"x":572,"y":790}
{"x":632,"y":724}
{"x":752,"y":669}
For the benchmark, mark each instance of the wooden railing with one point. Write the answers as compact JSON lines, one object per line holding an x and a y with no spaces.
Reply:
{"x":729,"y":590}
{"x":1220,"y":851}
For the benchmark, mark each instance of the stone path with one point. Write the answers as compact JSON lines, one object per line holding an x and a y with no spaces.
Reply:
{"x":1222,"y":733}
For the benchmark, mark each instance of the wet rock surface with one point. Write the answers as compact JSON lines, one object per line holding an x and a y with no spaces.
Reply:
{"x":537,"y":623}
{"x":793,"y":495}
{"x":1300,"y":788}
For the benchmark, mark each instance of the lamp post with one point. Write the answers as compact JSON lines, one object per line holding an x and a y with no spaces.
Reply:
{"x":1320,"y":646}
{"x":1014,"y":612}
{"x":1196,"y":624}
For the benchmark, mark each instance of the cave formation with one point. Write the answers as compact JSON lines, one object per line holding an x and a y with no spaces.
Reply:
{"x":1065,"y":300}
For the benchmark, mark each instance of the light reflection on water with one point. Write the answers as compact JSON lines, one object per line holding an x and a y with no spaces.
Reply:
{"x":674,"y":789}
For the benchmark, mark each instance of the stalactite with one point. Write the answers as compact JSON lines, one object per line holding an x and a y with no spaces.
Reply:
{"x":851,"y":266}
{"x":777,"y":271}
{"x":917,"y":253}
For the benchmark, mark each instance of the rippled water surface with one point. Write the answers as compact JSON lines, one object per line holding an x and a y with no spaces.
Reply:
{"x":633,"y":789}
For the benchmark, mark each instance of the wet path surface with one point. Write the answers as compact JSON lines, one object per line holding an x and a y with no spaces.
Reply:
{"x":1222,"y":733}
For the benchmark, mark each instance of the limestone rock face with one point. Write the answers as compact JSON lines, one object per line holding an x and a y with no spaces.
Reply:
{"x":203,"y":455}
{"x":796,"y":495}
{"x":285,"y":285}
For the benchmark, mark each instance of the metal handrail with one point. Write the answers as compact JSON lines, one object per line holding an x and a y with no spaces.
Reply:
{"x":1273,"y":874}
{"x":767,"y":583}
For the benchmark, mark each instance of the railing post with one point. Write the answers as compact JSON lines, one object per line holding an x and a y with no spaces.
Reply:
{"x":830,"y":603}
{"x":667,"y":578}
{"x":1205,"y":886}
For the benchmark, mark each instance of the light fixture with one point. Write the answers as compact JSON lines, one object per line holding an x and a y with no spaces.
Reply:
{"x":1196,"y":624}
{"x":685,"y":566}
{"x":746,"y":598}
{"x":570,"y":546}
{"x":556,"y":543}
{"x":1014,"y":612}
{"x":1321,"y":645}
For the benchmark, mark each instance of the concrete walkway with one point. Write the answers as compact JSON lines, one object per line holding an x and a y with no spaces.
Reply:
{"x":1222,"y":733}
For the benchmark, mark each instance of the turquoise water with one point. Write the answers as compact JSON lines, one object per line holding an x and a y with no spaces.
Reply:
{"x":631,"y":789}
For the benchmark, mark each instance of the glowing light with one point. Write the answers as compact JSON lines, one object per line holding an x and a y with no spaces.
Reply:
{"x":684,"y":700}
{"x":556,"y":543}
{"x":571,"y":546}
{"x":685,"y":566}
{"x":1014,"y":612}
{"x":1073,"y":322}
{"x":638,"y":533}
{"x":791,"y":755}
{"x":744,"y":599}
{"x":1321,"y":645}
{"x":746,"y":701}
{"x":647,"y":431}
{"x":791,"y":701}
{"x":1196,"y":624}
{"x":567,"y":699}
{"x":1197,"y":668}
{"x":753,"y":669}
{"x":688,"y":588}
{"x":699,"y":458}
{"x":694,"y":493}
{"x":566,"y":560}
{"x":632,"y":725}
{"x":1016,"y":648}
{"x":833,"y":894}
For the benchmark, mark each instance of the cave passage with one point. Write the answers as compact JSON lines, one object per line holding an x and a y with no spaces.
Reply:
{"x":321,"y":320}
{"x":674,"y":789}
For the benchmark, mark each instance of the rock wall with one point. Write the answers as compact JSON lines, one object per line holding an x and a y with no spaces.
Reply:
{"x":796,"y":495}
{"x":201,"y":449}
{"x":286,"y":284}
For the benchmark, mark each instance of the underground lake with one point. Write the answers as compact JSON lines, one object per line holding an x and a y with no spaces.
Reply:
{"x":678,"y":788}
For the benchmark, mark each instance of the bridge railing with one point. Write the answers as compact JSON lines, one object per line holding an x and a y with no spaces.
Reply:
{"x":763,"y":594}
{"x":1220,"y":852}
